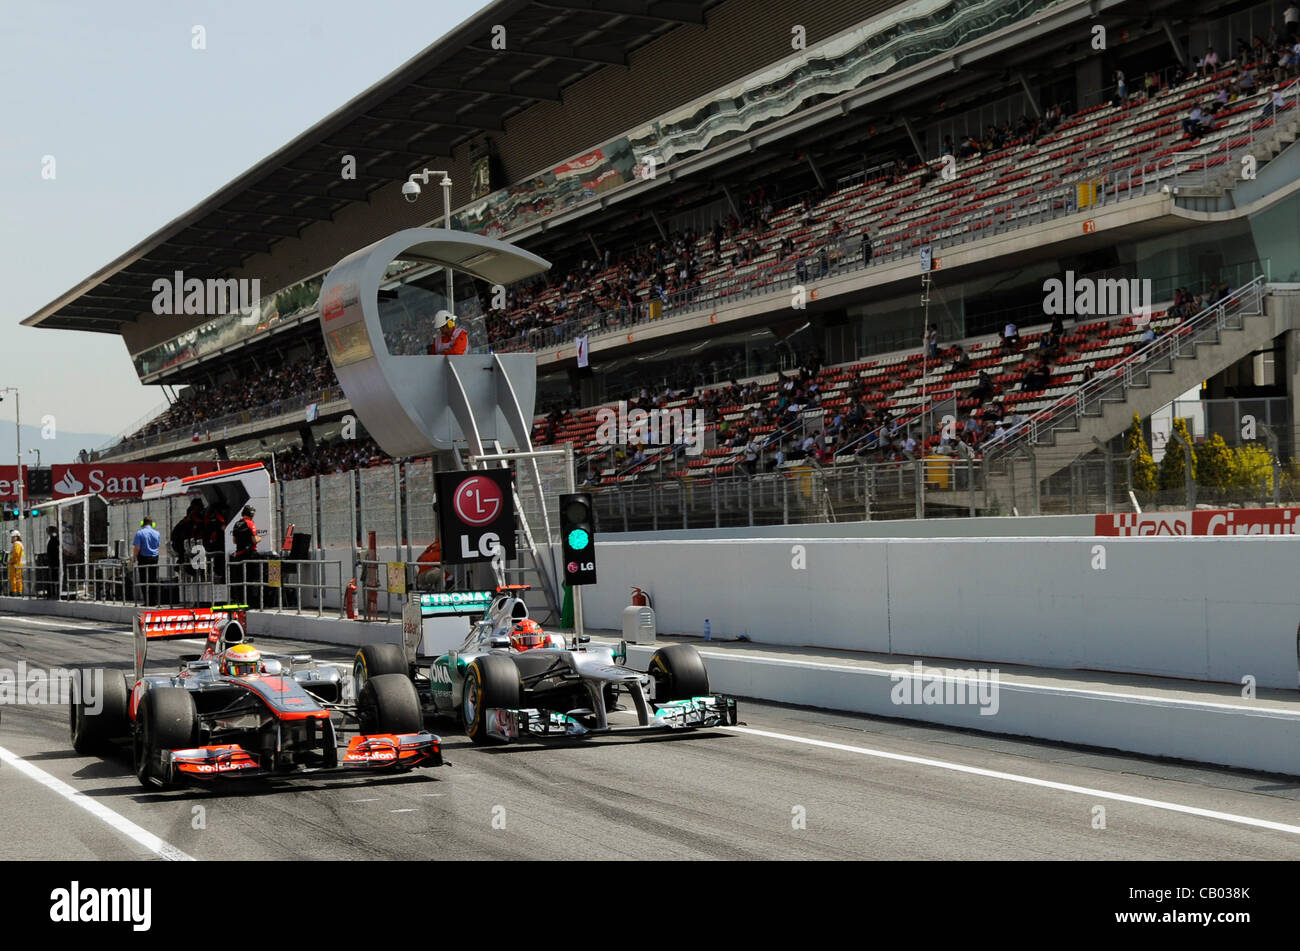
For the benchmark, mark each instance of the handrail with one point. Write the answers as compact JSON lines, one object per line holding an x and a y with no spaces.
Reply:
{"x":217,"y":426}
{"x":1070,"y":407}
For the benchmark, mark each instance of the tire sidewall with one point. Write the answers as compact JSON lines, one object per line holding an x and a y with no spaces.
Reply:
{"x":473,"y":689}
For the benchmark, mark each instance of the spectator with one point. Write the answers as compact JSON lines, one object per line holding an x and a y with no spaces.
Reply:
{"x":1121,"y":88}
{"x":866,"y":247}
{"x":1010,"y":336}
{"x":1209,"y":63}
{"x":961,"y":359}
{"x":932,"y":344}
{"x":1275,"y":103}
{"x":1192,"y":124}
{"x":1291,"y":19}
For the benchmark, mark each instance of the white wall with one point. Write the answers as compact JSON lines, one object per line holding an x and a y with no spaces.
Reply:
{"x":1226,"y":734}
{"x":979,"y":527}
{"x":1199,"y":608}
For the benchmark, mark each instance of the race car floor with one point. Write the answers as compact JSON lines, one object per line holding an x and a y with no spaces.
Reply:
{"x":787,"y":784}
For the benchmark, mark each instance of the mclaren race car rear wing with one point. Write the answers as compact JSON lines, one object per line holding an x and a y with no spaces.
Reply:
{"x":205,"y":623}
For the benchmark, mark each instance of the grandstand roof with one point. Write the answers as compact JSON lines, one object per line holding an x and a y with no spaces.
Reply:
{"x":453,"y":91}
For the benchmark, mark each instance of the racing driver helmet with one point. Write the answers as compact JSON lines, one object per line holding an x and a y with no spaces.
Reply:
{"x":528,"y":634}
{"x":242,"y":660}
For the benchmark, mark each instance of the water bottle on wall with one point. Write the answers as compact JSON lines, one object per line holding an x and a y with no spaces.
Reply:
{"x":708,"y":635}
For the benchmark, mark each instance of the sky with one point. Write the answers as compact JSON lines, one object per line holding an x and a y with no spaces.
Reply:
{"x":142,"y":126}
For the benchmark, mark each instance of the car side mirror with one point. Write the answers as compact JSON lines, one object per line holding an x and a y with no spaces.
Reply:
{"x":498,"y":641}
{"x":584,"y":639}
{"x":272,"y":667}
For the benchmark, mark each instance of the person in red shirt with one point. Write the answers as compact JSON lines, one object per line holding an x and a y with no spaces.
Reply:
{"x":451,"y":340}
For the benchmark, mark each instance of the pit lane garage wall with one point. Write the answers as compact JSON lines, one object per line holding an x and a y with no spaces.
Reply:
{"x":1201,"y":608}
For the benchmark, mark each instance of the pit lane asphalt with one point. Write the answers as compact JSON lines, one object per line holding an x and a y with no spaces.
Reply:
{"x":711,"y":794}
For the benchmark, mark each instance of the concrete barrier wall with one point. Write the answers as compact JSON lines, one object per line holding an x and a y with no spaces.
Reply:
{"x":303,"y":627}
{"x":980,"y":527}
{"x":1235,"y":735}
{"x":1199,"y":608}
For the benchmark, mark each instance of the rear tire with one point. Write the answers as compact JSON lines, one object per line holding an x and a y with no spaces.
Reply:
{"x":91,"y":732}
{"x":679,"y":673}
{"x":165,"y":720}
{"x":375,"y":660}
{"x":388,"y":703}
{"x":490,"y":681}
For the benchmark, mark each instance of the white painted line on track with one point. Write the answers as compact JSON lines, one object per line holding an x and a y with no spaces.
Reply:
{"x":122,"y":824}
{"x":1024,"y":780}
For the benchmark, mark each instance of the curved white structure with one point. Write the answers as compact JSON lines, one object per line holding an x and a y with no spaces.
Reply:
{"x":413,"y":405}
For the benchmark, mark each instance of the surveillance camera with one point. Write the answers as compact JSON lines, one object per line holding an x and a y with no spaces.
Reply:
{"x":411,"y":191}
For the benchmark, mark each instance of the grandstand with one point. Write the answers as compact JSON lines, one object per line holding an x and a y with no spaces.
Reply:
{"x":684,"y":207}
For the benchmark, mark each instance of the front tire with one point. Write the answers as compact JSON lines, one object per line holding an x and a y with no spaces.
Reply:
{"x":90,"y":732}
{"x":165,"y":720}
{"x":388,"y":703}
{"x":375,"y":660}
{"x":679,"y":673}
{"x":490,"y":681}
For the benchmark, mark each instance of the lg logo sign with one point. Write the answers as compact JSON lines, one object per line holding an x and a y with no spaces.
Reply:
{"x":478,"y":501}
{"x":476,"y":516}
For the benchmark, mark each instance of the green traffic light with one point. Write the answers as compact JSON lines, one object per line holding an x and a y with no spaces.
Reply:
{"x":579,"y":539}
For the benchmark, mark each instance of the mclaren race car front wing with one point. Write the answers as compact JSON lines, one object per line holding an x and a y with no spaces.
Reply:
{"x":380,"y":752}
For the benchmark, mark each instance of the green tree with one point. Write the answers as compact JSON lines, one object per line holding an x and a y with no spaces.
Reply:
{"x":1252,"y":466}
{"x":1214,"y":463}
{"x":1144,"y":467}
{"x":1173,"y":466}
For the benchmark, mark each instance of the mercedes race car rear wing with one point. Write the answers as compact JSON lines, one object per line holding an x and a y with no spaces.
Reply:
{"x":437,"y":623}
{"x":206,"y":623}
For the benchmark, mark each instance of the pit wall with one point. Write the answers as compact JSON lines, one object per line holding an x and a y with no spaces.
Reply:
{"x":1208,"y":608}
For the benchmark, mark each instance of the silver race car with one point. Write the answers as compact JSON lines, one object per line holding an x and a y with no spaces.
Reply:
{"x":507,"y":679}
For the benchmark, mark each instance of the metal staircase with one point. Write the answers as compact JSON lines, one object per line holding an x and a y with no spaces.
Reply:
{"x":1147,"y":380}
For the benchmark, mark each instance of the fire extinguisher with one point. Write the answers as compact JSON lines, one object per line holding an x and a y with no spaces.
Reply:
{"x":639,"y":597}
{"x":350,"y":599}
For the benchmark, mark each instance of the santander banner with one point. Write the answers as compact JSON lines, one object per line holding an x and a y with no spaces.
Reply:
{"x":1282,"y":521}
{"x":9,"y":482}
{"x":122,"y":480}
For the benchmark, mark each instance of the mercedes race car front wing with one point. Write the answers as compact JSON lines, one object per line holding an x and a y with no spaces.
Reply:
{"x":696,"y":713}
